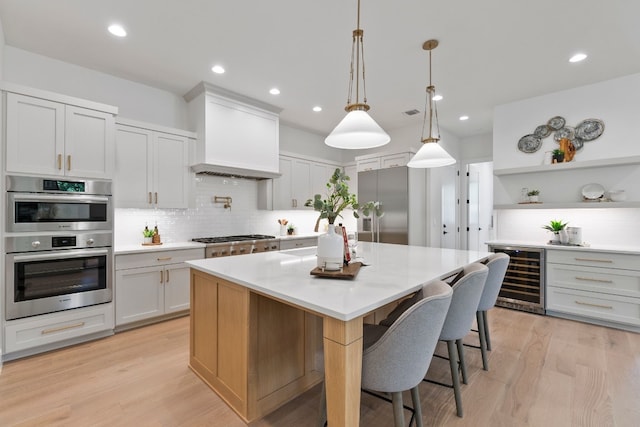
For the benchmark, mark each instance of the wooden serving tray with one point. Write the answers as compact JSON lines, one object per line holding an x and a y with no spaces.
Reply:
{"x":347,"y":272}
{"x":151,"y":244}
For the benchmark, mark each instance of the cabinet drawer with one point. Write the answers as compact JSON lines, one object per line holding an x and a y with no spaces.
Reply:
{"x":594,"y":305}
{"x":33,"y":332}
{"x":607,"y":280}
{"x":594,"y":259}
{"x":298,"y":243}
{"x":148,"y":259}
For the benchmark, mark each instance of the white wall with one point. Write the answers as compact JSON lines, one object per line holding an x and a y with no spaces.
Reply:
{"x":300,"y":141}
{"x":134,"y":100}
{"x":477,"y":148}
{"x":615,"y":102}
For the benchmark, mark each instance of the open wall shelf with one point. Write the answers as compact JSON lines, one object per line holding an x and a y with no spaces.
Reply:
{"x":618,"y":161}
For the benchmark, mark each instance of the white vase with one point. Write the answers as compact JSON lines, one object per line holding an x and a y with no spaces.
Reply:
{"x":330,"y":250}
{"x":564,"y":236}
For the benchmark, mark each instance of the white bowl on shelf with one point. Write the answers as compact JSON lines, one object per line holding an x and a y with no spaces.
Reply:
{"x":617,"y":195}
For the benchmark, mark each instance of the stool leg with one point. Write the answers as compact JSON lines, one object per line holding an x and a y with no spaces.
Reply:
{"x":417,"y":407}
{"x":398,"y":414}
{"x":453,"y":364}
{"x":485,"y":320}
{"x":483,"y":339}
{"x":463,"y":366}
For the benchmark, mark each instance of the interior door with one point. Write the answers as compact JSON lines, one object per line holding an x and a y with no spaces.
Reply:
{"x":448,"y":181}
{"x":480,"y":208}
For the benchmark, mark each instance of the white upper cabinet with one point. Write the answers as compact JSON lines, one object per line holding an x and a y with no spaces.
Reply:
{"x":151,"y":167}
{"x":52,"y":138}
{"x":301,"y":179}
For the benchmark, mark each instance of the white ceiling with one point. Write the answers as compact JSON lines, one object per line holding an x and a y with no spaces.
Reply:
{"x":491,"y":51}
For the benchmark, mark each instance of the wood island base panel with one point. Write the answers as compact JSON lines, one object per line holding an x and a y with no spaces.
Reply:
{"x":255,"y":352}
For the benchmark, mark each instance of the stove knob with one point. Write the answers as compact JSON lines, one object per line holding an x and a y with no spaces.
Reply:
{"x":242,"y":250}
{"x":90,"y":242}
{"x":35,"y":244}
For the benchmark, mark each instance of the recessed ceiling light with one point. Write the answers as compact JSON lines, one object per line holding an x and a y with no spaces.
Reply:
{"x":275,"y":91}
{"x":463,"y":118}
{"x":578,"y":57}
{"x":117,"y":30}
{"x":437,"y":98}
{"x":218,"y":69}
{"x":317,"y":108}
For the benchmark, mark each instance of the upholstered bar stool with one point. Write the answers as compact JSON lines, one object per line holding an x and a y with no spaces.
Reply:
{"x":399,"y":358}
{"x":497,"y":265}
{"x":464,"y":304}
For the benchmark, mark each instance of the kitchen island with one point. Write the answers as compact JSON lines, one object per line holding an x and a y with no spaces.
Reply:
{"x":261,"y":325}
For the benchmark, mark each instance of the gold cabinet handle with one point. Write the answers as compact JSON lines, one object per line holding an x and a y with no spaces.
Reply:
{"x":150,"y":200}
{"x":167,"y":281}
{"x":609,"y":307}
{"x":62,"y":328}
{"x":59,"y":161}
{"x":156,"y":194}
{"x":589,"y":279}
{"x":595,"y":260}
{"x":69,"y":162}
{"x":161,"y":277}
{"x":166,"y":258}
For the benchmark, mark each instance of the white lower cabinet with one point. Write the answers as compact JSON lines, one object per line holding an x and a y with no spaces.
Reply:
{"x":597,"y":287}
{"x":49,"y":329}
{"x":152,"y":285}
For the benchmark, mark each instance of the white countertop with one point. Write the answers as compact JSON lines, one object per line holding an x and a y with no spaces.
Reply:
{"x":139,"y":248}
{"x":619,"y":249}
{"x":394,"y":271}
{"x":299,"y":236}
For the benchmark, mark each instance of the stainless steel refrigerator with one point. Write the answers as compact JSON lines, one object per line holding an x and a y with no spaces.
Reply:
{"x":390,"y":187}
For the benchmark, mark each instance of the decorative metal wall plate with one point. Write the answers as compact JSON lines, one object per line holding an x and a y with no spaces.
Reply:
{"x":556,"y":123}
{"x":542,"y":131}
{"x":565,"y":132}
{"x":589,"y":129}
{"x":529,"y":144}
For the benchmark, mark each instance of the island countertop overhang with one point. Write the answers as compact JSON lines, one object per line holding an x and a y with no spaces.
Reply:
{"x":394,"y":271}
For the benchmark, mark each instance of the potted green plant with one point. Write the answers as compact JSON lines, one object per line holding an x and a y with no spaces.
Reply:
{"x":148,"y":235}
{"x":339,"y":198}
{"x":558,"y":230}
{"x":290,"y":229}
{"x":557,"y":156}
{"x":533,"y":196}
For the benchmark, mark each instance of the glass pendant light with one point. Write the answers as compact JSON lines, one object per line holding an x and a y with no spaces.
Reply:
{"x":431,"y":154}
{"x":357,"y":130}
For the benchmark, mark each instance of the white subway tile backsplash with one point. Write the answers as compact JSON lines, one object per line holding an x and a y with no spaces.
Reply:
{"x":212,"y":219}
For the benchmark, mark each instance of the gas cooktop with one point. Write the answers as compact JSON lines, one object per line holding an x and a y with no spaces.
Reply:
{"x":238,"y":238}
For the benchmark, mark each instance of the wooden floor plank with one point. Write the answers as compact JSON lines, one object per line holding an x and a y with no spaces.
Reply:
{"x":543,"y":371}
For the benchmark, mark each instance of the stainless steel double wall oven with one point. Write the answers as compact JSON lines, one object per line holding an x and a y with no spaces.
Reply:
{"x":58,"y":244}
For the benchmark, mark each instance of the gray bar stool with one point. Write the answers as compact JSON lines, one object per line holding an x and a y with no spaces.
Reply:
{"x":399,"y":359}
{"x":464,"y":304}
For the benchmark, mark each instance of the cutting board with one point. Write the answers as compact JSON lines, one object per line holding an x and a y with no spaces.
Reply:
{"x":347,"y":272}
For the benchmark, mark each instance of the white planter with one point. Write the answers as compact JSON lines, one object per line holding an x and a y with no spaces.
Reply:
{"x":564,"y":237}
{"x":330,"y":250}
{"x":533,"y":199}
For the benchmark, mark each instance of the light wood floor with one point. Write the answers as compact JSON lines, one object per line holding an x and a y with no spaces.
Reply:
{"x":543,"y":372}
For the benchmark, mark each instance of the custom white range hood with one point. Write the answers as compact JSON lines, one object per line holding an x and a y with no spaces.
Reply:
{"x":237,"y":136}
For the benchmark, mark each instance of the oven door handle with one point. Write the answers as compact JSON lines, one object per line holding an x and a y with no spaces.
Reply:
{"x":59,"y":197}
{"x":61,"y":254}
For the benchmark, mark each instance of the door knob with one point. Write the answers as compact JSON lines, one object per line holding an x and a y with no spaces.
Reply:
{"x":444,"y":232}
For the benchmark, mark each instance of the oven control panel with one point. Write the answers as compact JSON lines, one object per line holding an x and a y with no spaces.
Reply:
{"x":47,"y":242}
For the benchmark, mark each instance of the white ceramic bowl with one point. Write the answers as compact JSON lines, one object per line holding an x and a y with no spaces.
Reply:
{"x":617,"y":195}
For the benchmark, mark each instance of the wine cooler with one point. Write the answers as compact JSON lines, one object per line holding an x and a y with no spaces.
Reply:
{"x":523,"y":285}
